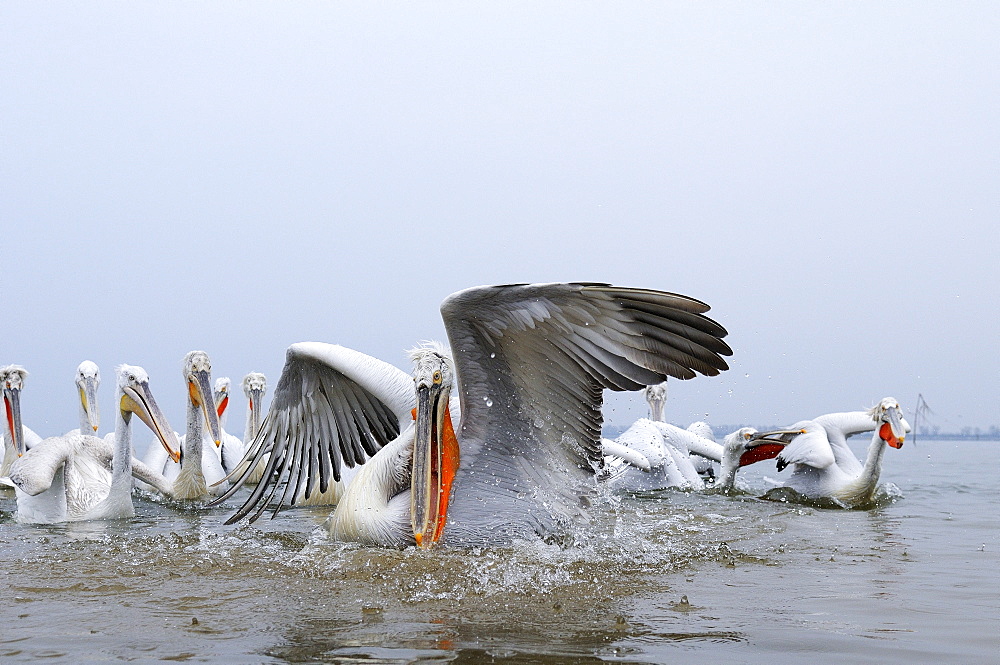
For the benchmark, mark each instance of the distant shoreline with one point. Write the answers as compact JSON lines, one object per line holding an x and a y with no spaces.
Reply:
{"x":612,"y":431}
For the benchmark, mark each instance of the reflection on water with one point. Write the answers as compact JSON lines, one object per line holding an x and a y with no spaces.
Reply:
{"x":653,"y":577}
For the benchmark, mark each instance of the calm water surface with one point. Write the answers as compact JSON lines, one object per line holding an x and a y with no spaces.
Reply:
{"x":677,"y":576}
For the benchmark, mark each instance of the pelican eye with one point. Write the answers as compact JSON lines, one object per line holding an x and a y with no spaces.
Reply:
{"x":437,"y":377}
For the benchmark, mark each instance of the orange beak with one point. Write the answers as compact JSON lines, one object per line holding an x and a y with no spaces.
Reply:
{"x":761,"y":453}
{"x":223,"y":404}
{"x":435,"y":461}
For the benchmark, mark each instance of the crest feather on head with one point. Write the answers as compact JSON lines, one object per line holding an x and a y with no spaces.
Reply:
{"x":876,"y":411}
{"x":14,"y":369}
{"x":428,"y":348}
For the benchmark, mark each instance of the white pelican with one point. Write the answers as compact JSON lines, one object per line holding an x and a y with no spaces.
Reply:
{"x":531,"y":363}
{"x":661,"y":463}
{"x":841,"y":426}
{"x":740,"y":449}
{"x":656,"y":398}
{"x":16,"y":438}
{"x":631,"y":446}
{"x":652,"y":454}
{"x":199,"y":465}
{"x":232,"y":448}
{"x":816,"y":471}
{"x":254,"y":387}
{"x":88,"y":380}
{"x":230,"y":452}
{"x":319,"y":388}
{"x":65,"y":478}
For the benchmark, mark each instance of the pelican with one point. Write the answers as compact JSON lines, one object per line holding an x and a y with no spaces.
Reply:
{"x":816,"y":471}
{"x":841,"y":426}
{"x":739,"y":449}
{"x":661,"y":463}
{"x":530,"y":364}
{"x":16,"y":438}
{"x":232,"y":449}
{"x":230,"y":452}
{"x":631,"y":446}
{"x":656,"y":398}
{"x":254,"y":387}
{"x":652,"y":454}
{"x":319,"y":381}
{"x":199,"y":465}
{"x":65,"y":478}
{"x":88,"y":379}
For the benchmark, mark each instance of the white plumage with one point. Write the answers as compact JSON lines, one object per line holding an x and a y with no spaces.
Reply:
{"x":80,"y":477}
{"x":823,"y":466}
{"x":652,"y":454}
{"x":16,"y":438}
{"x":199,"y":466}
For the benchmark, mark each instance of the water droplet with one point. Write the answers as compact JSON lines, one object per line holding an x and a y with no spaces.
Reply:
{"x":489,"y":402}
{"x":747,"y":375}
{"x":493,"y":355}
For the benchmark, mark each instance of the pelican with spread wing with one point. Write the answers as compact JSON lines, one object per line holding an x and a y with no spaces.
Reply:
{"x":822,"y":464}
{"x":530,"y":364}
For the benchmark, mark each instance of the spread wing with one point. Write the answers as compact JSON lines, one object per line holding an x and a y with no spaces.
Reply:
{"x":532,"y":362}
{"x":333,"y":407}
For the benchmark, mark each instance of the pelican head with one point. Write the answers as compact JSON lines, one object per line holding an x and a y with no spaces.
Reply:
{"x":221,"y":396}
{"x":135,"y":397}
{"x":254,"y":387}
{"x":746,"y":446}
{"x":767,"y":445}
{"x":88,"y":378}
{"x":890,"y":423}
{"x":198,"y":373}
{"x":435,"y":447}
{"x":656,"y":397}
{"x":11,"y":382}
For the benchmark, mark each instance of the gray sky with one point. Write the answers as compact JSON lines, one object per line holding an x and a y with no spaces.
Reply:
{"x":236,"y":177}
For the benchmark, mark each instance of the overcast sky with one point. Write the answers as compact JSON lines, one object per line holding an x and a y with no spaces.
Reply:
{"x":236,"y":177}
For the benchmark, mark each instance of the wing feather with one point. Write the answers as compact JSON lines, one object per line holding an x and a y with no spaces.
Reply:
{"x":332,"y":407}
{"x":810,"y":449}
{"x":548,"y":350}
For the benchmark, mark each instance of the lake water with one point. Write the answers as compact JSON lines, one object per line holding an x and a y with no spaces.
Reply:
{"x":673,"y":577}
